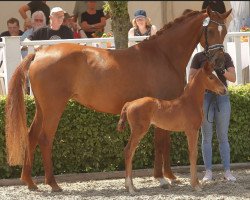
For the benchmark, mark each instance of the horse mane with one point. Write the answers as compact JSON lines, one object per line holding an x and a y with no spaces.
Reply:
{"x":172,"y":23}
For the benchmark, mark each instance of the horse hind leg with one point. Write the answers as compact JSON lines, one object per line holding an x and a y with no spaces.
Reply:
{"x":162,"y":165}
{"x":51,"y":116}
{"x":33,"y":134}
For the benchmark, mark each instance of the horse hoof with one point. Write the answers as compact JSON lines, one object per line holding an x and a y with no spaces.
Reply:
{"x":174,"y":181}
{"x":198,"y":188}
{"x":33,"y":188}
{"x":56,"y":189}
{"x":131,"y":191}
{"x":163,"y":183}
{"x":164,"y":186}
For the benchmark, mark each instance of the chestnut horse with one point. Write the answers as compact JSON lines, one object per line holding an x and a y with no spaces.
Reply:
{"x":103,"y":80}
{"x":182,"y":114}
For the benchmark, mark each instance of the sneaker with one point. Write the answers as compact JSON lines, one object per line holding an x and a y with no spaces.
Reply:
{"x":208,"y":176}
{"x":228,"y":176}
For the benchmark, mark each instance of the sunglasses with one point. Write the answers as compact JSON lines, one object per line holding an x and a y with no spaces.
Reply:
{"x":140,"y":19}
{"x":38,"y":20}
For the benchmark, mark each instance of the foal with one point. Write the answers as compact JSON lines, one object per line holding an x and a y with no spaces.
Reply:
{"x":182,"y":114}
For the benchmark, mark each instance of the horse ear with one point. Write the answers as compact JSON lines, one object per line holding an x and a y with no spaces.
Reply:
{"x":209,"y":11}
{"x":226,"y":14}
{"x":208,"y":67}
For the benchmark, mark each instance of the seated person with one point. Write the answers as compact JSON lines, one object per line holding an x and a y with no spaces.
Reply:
{"x":55,"y":30}
{"x":93,"y":21}
{"x":81,"y":7}
{"x":13,"y":28}
{"x":142,"y":25}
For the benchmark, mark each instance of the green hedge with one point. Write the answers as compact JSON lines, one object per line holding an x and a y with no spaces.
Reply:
{"x":87,"y":141}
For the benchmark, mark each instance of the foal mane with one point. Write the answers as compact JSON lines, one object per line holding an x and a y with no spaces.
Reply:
{"x":172,"y":23}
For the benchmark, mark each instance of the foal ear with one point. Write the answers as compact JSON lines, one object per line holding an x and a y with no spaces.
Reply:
{"x":208,"y":67}
{"x":226,"y":14}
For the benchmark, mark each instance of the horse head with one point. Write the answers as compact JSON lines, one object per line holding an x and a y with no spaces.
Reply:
{"x":211,"y":81}
{"x":213,"y":34}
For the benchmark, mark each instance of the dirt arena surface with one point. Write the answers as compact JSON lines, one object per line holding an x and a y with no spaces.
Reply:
{"x":148,"y":188}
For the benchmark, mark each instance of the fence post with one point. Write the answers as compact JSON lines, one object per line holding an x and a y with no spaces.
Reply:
{"x":11,"y":57}
{"x":238,"y":61}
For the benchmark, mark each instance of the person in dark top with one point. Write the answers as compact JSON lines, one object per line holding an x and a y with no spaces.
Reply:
{"x":34,"y":6}
{"x":93,"y":21}
{"x":55,"y":30}
{"x":81,"y":7}
{"x":217,"y":110}
{"x":218,"y":6}
{"x":13,"y":28}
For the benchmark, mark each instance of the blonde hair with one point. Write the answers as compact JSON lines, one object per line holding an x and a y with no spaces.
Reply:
{"x":148,"y":22}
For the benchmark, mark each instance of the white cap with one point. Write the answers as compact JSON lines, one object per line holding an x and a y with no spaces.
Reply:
{"x":56,"y":9}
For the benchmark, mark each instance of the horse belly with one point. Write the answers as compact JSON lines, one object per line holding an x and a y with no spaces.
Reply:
{"x":171,"y":120}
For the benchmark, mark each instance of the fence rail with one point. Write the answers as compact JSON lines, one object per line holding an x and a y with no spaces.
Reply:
{"x":10,"y":53}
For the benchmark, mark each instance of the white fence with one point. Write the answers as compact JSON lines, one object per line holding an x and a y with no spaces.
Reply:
{"x":11,"y":53}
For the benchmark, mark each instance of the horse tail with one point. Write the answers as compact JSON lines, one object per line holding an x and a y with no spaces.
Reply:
{"x":123,"y":118}
{"x":15,"y":121}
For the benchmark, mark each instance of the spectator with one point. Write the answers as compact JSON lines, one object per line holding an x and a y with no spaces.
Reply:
{"x":142,"y":25}
{"x":55,"y":30}
{"x":93,"y":21}
{"x":217,"y":109}
{"x":38,"y":20}
{"x":67,"y":20}
{"x":77,"y":32}
{"x":81,"y":7}
{"x":13,"y":28}
{"x":34,"y":6}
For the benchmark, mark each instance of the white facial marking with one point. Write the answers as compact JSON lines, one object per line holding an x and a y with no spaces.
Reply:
{"x":220,"y":29}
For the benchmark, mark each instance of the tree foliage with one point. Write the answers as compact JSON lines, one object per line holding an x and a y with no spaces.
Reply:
{"x":120,"y":23}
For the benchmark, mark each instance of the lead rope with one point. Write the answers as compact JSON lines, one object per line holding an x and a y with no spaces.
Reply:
{"x":213,"y":99}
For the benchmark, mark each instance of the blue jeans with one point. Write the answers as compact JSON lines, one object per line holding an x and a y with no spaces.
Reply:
{"x":221,"y":119}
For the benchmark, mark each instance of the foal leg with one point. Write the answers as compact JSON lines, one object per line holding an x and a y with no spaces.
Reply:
{"x":192,"y":137}
{"x":32,"y":140}
{"x":137,"y":133}
{"x":52,"y":115}
{"x":162,"y":157}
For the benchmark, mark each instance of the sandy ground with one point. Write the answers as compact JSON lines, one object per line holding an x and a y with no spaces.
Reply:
{"x":148,"y":188}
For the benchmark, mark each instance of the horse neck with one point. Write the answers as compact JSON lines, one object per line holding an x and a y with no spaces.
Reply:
{"x":180,"y":40}
{"x":195,"y":90}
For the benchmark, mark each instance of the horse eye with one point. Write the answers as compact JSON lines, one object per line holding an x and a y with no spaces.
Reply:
{"x":210,"y":77}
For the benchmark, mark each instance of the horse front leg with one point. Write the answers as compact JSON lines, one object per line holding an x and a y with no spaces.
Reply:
{"x":162,"y":157}
{"x":192,"y":137}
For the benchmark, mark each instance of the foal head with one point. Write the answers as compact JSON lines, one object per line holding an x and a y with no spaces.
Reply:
{"x":210,"y":81}
{"x":213,"y":34}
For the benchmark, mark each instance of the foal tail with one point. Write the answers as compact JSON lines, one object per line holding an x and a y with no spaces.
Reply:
{"x":15,"y":121}
{"x":123,"y":118}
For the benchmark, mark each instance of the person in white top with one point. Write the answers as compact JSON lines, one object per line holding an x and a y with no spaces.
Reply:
{"x":142,"y":25}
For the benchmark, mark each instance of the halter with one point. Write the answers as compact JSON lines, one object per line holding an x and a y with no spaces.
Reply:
{"x":208,"y":48}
